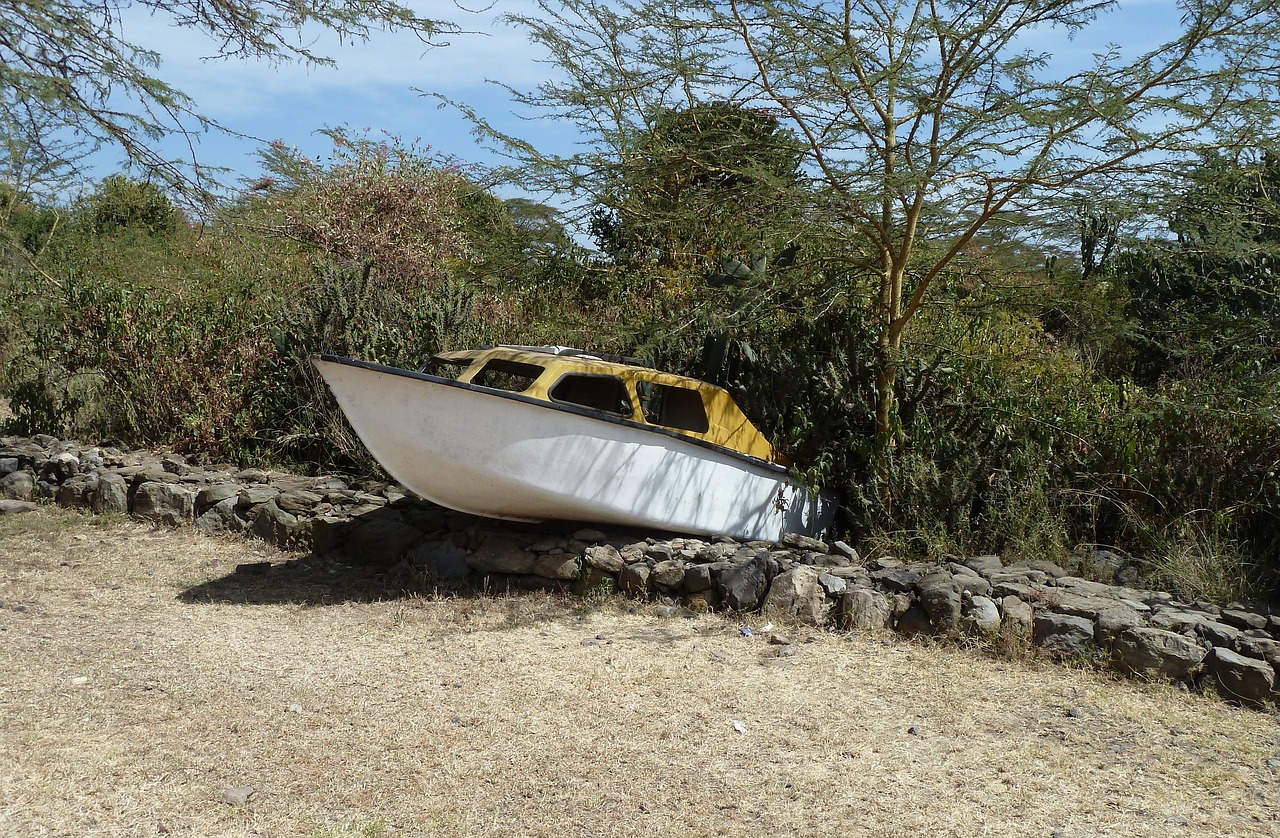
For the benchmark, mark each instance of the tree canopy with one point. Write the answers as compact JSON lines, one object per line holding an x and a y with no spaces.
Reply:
{"x":919,"y":122}
{"x":71,"y":82}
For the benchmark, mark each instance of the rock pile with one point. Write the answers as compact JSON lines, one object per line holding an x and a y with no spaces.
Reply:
{"x":1234,"y":648}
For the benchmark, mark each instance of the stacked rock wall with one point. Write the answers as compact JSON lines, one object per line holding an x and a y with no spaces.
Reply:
{"x":1235,"y":648}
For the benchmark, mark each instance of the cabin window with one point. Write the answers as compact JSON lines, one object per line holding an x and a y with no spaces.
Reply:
{"x":598,"y":392}
{"x":446,"y":369}
{"x":512,"y":376}
{"x":674,"y":407}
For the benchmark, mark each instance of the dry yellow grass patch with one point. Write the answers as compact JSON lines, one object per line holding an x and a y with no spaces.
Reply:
{"x":139,"y":678}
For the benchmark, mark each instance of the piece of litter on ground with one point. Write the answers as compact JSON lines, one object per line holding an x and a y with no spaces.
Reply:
{"x":237,"y":796}
{"x":767,"y":627}
{"x":746,"y":631}
{"x":740,"y":727}
{"x":295,"y":708}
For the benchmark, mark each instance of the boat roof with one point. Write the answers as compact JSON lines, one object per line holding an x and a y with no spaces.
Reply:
{"x":725,"y":423}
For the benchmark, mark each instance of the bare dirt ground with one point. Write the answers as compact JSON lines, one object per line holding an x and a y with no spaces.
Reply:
{"x":140,"y":678}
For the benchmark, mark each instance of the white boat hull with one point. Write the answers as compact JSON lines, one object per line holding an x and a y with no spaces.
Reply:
{"x":504,"y":456}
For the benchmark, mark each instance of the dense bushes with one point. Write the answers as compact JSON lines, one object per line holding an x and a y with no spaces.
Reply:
{"x":1008,"y":439}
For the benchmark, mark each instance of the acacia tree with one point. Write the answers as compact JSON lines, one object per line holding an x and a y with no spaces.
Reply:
{"x":70,"y":81}
{"x":920,"y":121}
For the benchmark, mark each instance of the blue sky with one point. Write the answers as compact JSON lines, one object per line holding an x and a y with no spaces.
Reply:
{"x":371,"y":87}
{"x":373,"y":84}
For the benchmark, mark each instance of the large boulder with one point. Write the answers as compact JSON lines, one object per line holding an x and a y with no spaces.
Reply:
{"x":18,"y":485}
{"x":980,"y":615}
{"x":382,"y":540}
{"x":222,"y":517}
{"x":798,"y":595}
{"x":447,"y":561}
{"x":165,"y":503}
{"x":668,"y":574}
{"x":741,"y":586}
{"x":1063,"y":634}
{"x":497,"y":554}
{"x":604,"y":557}
{"x":276,"y":526}
{"x":940,"y":596}
{"x":1016,"y":615}
{"x":633,"y":579}
{"x":110,"y":495}
{"x":1246,"y":680}
{"x":1155,"y":653}
{"x":862,"y":609}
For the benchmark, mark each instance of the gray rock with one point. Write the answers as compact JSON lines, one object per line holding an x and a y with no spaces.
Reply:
{"x":1260,"y":646}
{"x":604,"y":557}
{"x":548,"y":544}
{"x":669,"y":573}
{"x":73,"y":493}
{"x":842,"y":549}
{"x":497,"y":554}
{"x":274,"y":525}
{"x":804,"y":542}
{"x":222,"y":517}
{"x":798,"y":595}
{"x":167,"y":503}
{"x":741,"y":586}
{"x":251,"y":475}
{"x":1155,"y":653}
{"x":862,"y":609}
{"x":958,"y":569}
{"x":590,"y":536}
{"x":659,"y":552}
{"x":823,"y":560}
{"x":447,"y":561}
{"x":915,"y":620}
{"x":1113,"y":620}
{"x":63,"y":464}
{"x":980,"y":614}
{"x":1242,"y":679}
{"x":298,"y":501}
{"x":8,"y":506}
{"x":562,"y":567}
{"x":1053,"y":571}
{"x":8,"y":465}
{"x":18,"y":485}
{"x":1244,"y":619}
{"x":975,"y":584}
{"x":1019,"y":575}
{"x":941,"y":599}
{"x":633,"y":579}
{"x":1218,"y":634}
{"x":110,"y":495}
{"x":984,"y":565}
{"x":833,"y":585}
{"x":381,"y":540}
{"x":1063,"y":634}
{"x":898,"y":579}
{"x":697,"y":578}
{"x":253,"y":495}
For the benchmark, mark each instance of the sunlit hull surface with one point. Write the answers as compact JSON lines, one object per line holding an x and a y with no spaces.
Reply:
{"x":506,"y":456}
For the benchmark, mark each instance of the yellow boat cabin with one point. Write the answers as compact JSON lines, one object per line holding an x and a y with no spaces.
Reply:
{"x":559,"y":375}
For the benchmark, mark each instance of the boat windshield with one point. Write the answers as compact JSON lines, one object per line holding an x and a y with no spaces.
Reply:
{"x":598,"y":392}
{"x":445,"y":368}
{"x":673,"y":407}
{"x":512,"y":376}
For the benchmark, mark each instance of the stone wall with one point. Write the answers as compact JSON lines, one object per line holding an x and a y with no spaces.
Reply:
{"x":1235,"y":649}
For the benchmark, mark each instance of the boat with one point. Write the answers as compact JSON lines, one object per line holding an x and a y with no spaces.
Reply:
{"x":537,"y":433}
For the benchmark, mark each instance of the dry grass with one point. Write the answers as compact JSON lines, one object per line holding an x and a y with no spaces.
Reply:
{"x":139,"y":678}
